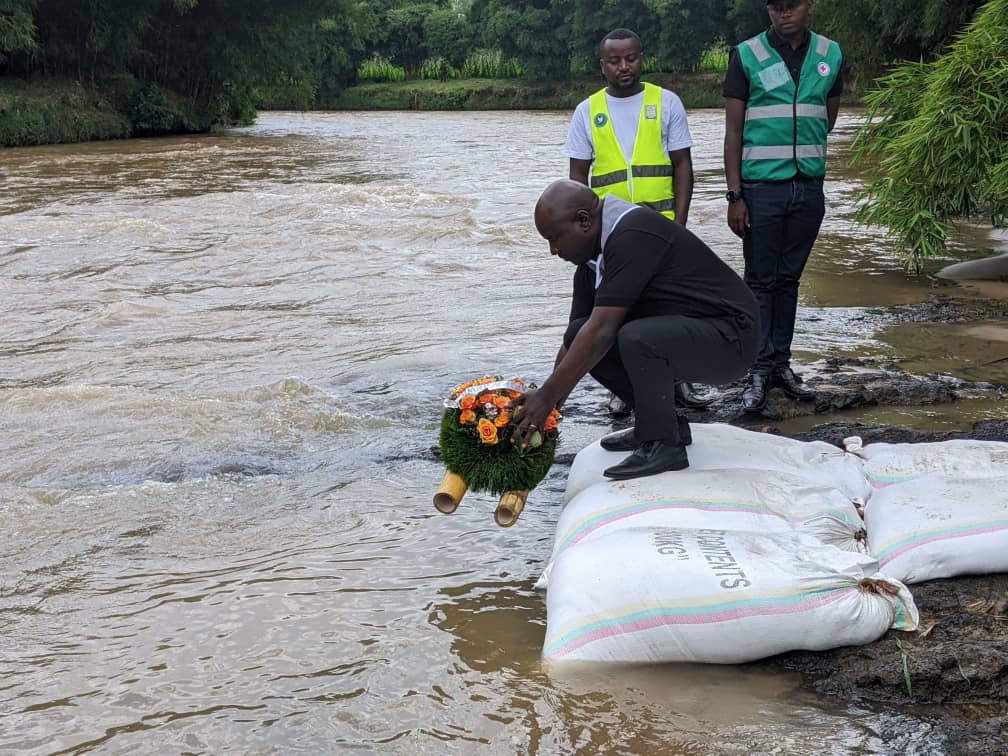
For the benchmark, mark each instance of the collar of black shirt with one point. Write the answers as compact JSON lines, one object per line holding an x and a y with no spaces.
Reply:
{"x":778,"y":42}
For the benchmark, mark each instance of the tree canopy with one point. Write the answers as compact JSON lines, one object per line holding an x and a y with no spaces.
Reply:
{"x":936,"y":142}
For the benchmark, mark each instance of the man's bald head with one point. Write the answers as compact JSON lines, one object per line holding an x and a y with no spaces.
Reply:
{"x":566,"y":196}
{"x":569,"y":216}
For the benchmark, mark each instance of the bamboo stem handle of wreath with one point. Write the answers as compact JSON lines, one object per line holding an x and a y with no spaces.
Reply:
{"x":510,"y":506}
{"x":450,"y":492}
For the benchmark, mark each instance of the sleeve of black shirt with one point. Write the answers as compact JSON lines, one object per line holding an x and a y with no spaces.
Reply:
{"x":736,"y":83}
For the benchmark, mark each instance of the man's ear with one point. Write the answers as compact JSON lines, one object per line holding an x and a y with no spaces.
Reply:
{"x":583,"y":218}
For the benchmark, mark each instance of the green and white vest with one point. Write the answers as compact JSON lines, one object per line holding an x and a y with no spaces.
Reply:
{"x":785,"y":125}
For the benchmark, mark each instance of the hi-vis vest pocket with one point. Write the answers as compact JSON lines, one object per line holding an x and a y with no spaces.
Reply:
{"x":775,"y":76}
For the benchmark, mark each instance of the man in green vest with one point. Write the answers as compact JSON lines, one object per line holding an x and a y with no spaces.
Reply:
{"x":631,"y":139}
{"x":781,"y":92}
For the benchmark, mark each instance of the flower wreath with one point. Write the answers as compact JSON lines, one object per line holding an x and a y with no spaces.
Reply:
{"x":475,"y":440}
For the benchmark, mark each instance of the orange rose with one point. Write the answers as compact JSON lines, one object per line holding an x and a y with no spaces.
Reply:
{"x":486,"y":397}
{"x":550,"y":424}
{"x":467,"y":402}
{"x":467,"y":417}
{"x":487,"y":431}
{"x":501,"y":401}
{"x":514,"y":394}
{"x":502,"y":419}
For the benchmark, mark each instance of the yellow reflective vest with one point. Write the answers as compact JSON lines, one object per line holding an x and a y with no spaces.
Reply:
{"x":649,"y":179}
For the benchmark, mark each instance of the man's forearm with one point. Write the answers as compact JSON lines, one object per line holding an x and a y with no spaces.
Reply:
{"x":683,"y":190}
{"x":733,"y":161}
{"x":590,"y":345}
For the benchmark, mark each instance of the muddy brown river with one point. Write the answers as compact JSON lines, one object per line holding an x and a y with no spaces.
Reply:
{"x":221,"y":366}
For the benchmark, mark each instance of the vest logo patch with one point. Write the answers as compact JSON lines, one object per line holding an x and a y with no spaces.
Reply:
{"x":601,"y":120}
{"x":651,"y":112}
{"x":824,"y":68}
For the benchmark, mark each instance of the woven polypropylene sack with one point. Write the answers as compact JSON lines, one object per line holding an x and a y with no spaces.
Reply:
{"x":720,"y":446}
{"x":682,"y":595}
{"x":936,"y":527}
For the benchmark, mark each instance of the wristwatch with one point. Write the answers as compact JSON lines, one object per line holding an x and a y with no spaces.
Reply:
{"x":733,"y":197}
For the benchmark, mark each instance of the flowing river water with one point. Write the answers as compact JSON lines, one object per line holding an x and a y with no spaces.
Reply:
{"x":222,"y":360}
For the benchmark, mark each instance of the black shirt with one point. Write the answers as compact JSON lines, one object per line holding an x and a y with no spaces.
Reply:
{"x":655,"y":266}
{"x":736,"y":83}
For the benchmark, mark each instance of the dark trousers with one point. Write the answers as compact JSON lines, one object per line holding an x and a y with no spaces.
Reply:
{"x":785,"y":217}
{"x":651,"y":354}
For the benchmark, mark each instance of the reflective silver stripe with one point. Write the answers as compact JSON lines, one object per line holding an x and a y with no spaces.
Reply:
{"x":607,"y":179}
{"x":784,"y":152}
{"x":758,"y":49}
{"x":785,"y":111}
{"x":651,"y":171}
{"x":661,"y":205}
{"x":822,"y":45}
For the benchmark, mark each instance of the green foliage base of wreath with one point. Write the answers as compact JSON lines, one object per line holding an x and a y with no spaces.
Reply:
{"x":493,"y":468}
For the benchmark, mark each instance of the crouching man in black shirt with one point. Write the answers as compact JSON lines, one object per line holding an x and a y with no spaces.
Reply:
{"x":652,"y":305}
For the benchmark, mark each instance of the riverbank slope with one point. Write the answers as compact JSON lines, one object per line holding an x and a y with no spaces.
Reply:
{"x":65,"y":111}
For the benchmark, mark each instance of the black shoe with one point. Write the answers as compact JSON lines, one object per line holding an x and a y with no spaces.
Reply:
{"x":793,"y":385}
{"x":627,"y":440}
{"x":755,"y":394}
{"x":617,"y":407}
{"x":650,"y":458}
{"x":685,"y":396}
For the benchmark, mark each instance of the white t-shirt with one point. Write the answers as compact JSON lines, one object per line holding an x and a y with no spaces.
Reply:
{"x":625,"y":115}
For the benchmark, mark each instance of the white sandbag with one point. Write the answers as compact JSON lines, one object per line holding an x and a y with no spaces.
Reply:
{"x":935,"y":527}
{"x":722,"y":446}
{"x":885,"y":464}
{"x":720,"y":499}
{"x":680,"y":595}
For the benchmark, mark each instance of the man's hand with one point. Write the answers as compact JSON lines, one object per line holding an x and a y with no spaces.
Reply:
{"x":738,"y":218}
{"x":530,"y":411}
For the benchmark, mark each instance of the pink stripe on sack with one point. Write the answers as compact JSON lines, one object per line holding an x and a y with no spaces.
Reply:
{"x":697,"y":618}
{"x":947,"y":536}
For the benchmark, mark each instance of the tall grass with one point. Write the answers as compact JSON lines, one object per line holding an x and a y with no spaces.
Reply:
{"x":655,"y":65}
{"x":437,"y":68}
{"x":713,"y":59}
{"x":378,"y":68}
{"x":491,"y":64}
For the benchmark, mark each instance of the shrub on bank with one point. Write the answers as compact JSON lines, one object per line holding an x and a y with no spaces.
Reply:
{"x":60,"y":112}
{"x":56,"y":114}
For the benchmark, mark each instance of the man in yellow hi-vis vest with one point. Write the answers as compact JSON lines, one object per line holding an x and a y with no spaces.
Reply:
{"x":631,"y":139}
{"x":782,"y":96}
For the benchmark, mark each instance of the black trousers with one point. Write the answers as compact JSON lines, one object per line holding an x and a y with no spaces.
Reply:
{"x":651,"y":354}
{"x":785,"y":217}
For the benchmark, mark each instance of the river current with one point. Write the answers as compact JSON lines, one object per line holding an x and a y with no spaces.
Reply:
{"x":222,"y":360}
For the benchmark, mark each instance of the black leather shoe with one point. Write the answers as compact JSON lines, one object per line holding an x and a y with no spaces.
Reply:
{"x":685,"y":396}
{"x":627,"y":440}
{"x":650,"y":458}
{"x":755,"y":394}
{"x":617,"y":407}
{"x":793,"y":385}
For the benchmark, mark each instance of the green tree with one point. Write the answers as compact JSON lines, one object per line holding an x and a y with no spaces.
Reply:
{"x":447,"y":34}
{"x":936,"y":141}
{"x":17,"y":28}
{"x":874,"y":34}
{"x":537,"y":32}
{"x":747,"y":18}
{"x":685,"y":28}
